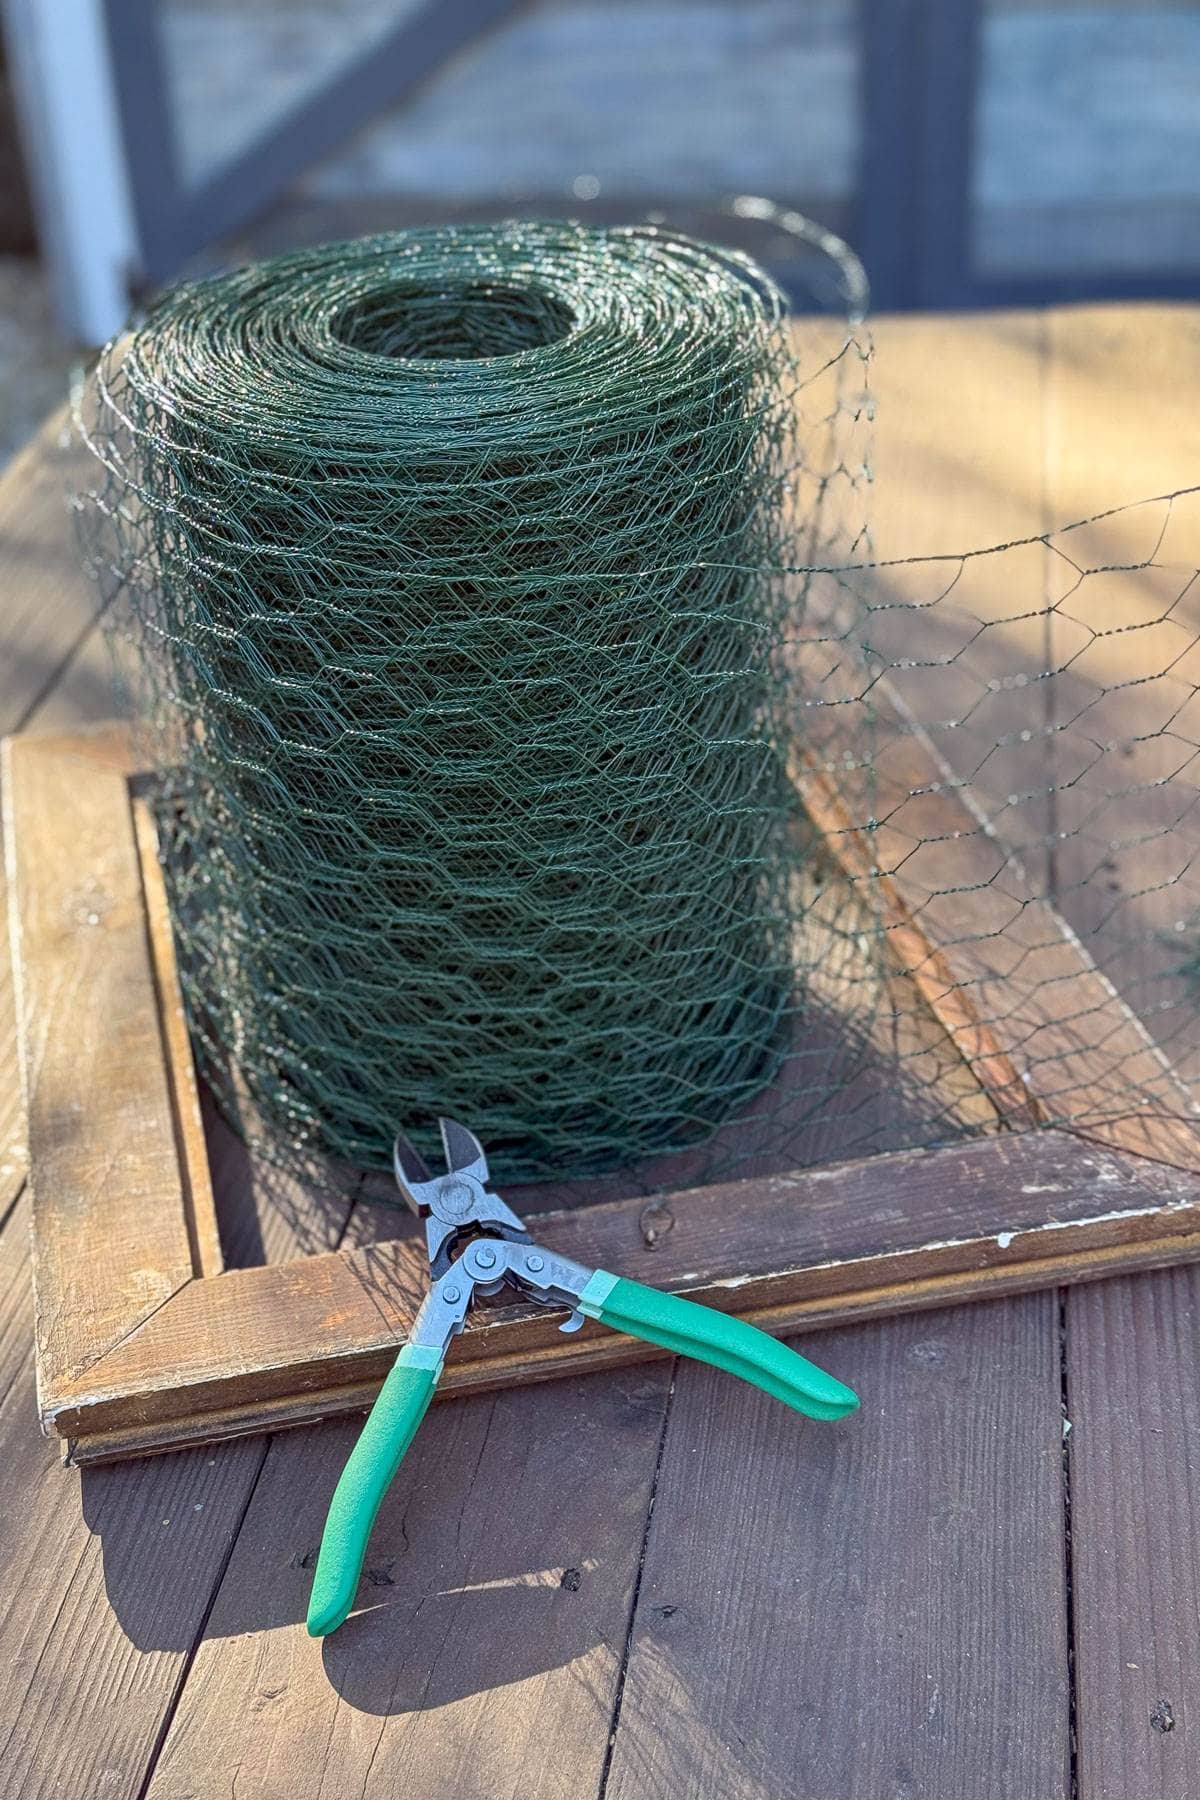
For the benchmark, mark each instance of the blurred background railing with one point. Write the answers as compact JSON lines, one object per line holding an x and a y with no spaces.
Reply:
{"x":975,"y":151}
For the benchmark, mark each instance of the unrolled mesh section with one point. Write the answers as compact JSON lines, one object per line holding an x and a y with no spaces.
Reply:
{"x":1051,"y":686}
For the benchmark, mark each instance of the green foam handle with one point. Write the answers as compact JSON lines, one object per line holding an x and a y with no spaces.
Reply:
{"x":666,"y":1319}
{"x":390,"y":1428}
{"x":714,"y":1337}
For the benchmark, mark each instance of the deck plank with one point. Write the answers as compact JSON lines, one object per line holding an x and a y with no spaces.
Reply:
{"x":49,"y":604}
{"x":55,"y":669}
{"x":874,"y":1608}
{"x":806,"y":1669}
{"x":959,"y":446}
{"x":108,"y":1580}
{"x":1133,"y":1386}
{"x":113,"y":1241}
{"x":52,"y":667}
{"x":14,"y":1152}
{"x":1134,"y":1396}
{"x":486,"y":1656}
{"x":117,"y":1572}
{"x":1127,"y":642}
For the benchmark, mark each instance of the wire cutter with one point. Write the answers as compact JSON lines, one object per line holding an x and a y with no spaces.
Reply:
{"x":478,"y":1245}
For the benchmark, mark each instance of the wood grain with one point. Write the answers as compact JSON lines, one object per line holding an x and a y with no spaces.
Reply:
{"x":1128,"y":878}
{"x":1127,"y":645}
{"x":1134,"y":1399}
{"x":117,"y":1569}
{"x":188,"y":1124}
{"x":485,"y":1656}
{"x":1080,"y":1052}
{"x":112,"y":1573}
{"x":296,"y":1377}
{"x":14,"y":1154}
{"x":108,"y":1581}
{"x":46,"y":609}
{"x":112,"y":1243}
{"x":928,"y":967}
{"x":93,"y":1671}
{"x":301,"y":1341}
{"x":49,"y":607}
{"x":53,"y":667}
{"x":875,"y":1608}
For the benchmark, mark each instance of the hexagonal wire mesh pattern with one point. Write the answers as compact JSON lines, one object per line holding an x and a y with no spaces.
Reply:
{"x":488,"y":592}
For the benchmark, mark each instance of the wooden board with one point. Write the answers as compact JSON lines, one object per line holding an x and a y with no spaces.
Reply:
{"x":13,"y":1151}
{"x":102,"y":1619}
{"x":884,"y":1601}
{"x":290,"y":1343}
{"x":187,"y":1123}
{"x":486,"y":1653}
{"x":112,"y":1243}
{"x":117,"y":1570}
{"x":1132,"y":1389}
{"x":958,"y":448}
{"x":148,"y":1345}
{"x":49,"y":604}
{"x":1133,"y":1400}
{"x":109,"y":1576}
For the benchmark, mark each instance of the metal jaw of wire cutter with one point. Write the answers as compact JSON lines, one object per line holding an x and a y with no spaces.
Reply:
{"x":477,"y":1245}
{"x":457,"y":1203}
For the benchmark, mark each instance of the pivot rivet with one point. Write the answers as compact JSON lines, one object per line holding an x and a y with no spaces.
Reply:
{"x":535,"y":1263}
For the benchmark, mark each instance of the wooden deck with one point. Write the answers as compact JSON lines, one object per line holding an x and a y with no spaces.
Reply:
{"x":651,"y":1583}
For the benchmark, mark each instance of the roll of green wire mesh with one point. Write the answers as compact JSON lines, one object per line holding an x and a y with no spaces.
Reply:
{"x":454,"y":564}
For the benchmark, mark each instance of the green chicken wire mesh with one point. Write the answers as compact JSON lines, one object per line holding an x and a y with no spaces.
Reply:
{"x":459,"y":567}
{"x":489,"y":595}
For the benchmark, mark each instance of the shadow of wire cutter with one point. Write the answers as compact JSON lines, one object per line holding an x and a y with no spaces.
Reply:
{"x":478,"y":1245}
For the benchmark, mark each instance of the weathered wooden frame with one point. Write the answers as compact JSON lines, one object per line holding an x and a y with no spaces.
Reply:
{"x":145,"y":1342}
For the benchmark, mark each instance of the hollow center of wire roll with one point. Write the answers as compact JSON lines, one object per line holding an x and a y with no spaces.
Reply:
{"x":451,"y":323}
